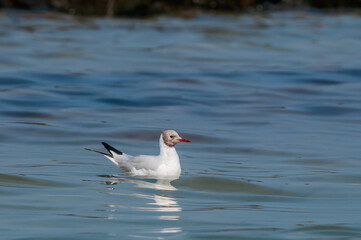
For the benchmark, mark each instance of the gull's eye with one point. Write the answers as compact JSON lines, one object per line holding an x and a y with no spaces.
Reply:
{"x":171,"y":136}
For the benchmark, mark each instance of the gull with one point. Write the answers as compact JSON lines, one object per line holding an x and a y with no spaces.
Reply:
{"x":166,"y":165}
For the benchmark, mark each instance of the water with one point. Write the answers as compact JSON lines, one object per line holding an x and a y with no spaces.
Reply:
{"x":271,"y":103}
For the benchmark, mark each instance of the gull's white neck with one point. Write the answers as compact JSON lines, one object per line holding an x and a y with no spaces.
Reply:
{"x":170,"y":167}
{"x":166,"y":152}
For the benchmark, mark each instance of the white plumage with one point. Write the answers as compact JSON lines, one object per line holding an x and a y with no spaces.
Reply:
{"x":166,"y":165}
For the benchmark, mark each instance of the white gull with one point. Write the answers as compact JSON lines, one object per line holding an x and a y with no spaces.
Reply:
{"x":166,"y":165}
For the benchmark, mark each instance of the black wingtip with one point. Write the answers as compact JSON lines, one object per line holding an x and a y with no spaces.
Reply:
{"x":106,"y":154}
{"x":110,"y":148}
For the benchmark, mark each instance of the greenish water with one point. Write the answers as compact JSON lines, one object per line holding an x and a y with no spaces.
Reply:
{"x":271,"y":103}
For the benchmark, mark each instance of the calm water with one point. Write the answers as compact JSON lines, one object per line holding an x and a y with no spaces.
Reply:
{"x":272,"y":104}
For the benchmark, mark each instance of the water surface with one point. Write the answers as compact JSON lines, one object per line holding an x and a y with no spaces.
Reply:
{"x":271,"y":103}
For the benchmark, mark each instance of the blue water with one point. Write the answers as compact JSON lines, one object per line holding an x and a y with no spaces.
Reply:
{"x":271,"y":103}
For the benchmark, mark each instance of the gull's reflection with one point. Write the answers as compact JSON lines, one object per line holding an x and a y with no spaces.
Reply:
{"x":161,"y":185}
{"x":162,"y":201}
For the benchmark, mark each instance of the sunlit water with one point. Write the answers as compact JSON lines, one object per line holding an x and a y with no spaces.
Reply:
{"x":272,"y":104}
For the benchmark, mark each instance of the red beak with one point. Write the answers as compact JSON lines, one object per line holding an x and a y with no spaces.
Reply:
{"x":184,"y":140}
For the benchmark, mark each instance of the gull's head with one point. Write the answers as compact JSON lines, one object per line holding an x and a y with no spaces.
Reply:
{"x":171,"y":138}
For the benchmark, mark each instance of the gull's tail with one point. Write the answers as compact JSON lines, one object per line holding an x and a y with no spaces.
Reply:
{"x":112,"y":153}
